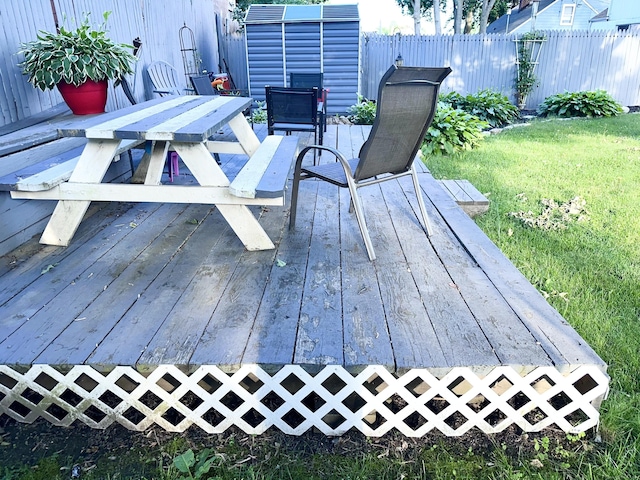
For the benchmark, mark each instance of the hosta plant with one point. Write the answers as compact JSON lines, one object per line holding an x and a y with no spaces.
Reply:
{"x":363,"y":112}
{"x":488,"y":105}
{"x":596,"y":103}
{"x":75,"y":56}
{"x":451,"y":131}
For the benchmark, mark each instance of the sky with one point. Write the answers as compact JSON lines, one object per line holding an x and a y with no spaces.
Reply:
{"x":383,"y":16}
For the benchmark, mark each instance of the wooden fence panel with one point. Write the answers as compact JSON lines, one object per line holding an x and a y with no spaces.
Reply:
{"x":156,"y":23}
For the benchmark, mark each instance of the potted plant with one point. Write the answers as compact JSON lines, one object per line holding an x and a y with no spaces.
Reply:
{"x":79,"y":62}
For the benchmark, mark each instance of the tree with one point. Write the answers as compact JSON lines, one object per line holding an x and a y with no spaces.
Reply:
{"x":427,"y":9}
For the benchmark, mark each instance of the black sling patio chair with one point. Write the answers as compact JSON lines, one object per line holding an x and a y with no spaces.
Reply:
{"x":309,"y":80}
{"x":293,"y":110}
{"x":407,"y":101}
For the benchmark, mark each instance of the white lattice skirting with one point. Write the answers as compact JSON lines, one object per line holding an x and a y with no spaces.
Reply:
{"x":333,"y":400}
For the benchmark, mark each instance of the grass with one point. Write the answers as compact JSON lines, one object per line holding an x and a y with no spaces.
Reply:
{"x":589,"y":271}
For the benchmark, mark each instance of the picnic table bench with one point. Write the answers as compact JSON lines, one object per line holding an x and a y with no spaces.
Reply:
{"x":183,"y":124}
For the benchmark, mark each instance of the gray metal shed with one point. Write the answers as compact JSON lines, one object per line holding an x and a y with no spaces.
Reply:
{"x":305,"y":38}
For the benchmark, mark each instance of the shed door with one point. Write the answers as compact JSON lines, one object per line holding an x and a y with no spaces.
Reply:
{"x":302,"y":48}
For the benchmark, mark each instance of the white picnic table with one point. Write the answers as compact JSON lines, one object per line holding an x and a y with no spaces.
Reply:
{"x":183,"y":124}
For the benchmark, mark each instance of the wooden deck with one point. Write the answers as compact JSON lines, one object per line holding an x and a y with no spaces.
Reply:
{"x":155,"y":313}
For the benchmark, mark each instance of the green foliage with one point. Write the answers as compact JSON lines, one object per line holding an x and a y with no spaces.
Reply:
{"x":75,"y":56}
{"x":596,"y":103}
{"x":259,"y":114}
{"x":363,"y":112}
{"x":488,"y":105}
{"x":194,"y":466}
{"x":453,"y":130}
{"x":525,"y":77}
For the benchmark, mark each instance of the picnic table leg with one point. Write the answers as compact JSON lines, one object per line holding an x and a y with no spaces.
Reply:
{"x":91,"y":168}
{"x":245,"y":134}
{"x":207,"y":172}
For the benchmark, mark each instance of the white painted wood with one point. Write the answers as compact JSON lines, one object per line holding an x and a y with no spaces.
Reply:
{"x":201,"y":164}
{"x":48,"y":178}
{"x":120,"y":192}
{"x":166,"y":130}
{"x":232,"y":148}
{"x":245,"y":183}
{"x":106,"y":130}
{"x":157,"y":160}
{"x":92,"y":166}
{"x":245,"y":134}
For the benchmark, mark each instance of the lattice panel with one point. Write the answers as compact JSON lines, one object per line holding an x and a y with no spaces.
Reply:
{"x":333,"y":400}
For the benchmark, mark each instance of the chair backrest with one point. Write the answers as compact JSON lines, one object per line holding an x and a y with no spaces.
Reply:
{"x":407,"y":102}
{"x":291,"y":105}
{"x":202,"y":85}
{"x":164,"y":79}
{"x":305,"y":80}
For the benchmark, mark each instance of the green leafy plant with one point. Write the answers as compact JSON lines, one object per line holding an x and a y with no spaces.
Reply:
{"x":259,"y":113}
{"x":363,"y":112}
{"x":194,"y":466}
{"x":488,"y":105}
{"x":596,"y":103}
{"x":452,"y":130}
{"x":75,"y":56}
{"x":526,"y":63}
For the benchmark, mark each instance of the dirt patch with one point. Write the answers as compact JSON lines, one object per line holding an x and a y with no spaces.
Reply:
{"x":26,"y":444}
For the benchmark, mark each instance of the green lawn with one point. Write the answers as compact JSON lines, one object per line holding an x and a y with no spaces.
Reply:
{"x":589,"y":269}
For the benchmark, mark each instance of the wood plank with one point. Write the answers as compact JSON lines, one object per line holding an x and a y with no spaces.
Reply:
{"x":320,"y":339}
{"x":272,"y":339}
{"x":102,"y":126}
{"x":560,"y":341}
{"x":84,"y":282}
{"x":147,"y":316}
{"x":175,"y":343}
{"x":366,"y":335}
{"x":54,"y":151}
{"x":124,"y":289}
{"x":246,"y":181}
{"x":463,"y":341}
{"x":35,"y":119}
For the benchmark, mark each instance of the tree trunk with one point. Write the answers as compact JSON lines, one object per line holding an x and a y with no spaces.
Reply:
{"x":457,"y":16}
{"x":437,"y":23}
{"x":468,"y":22}
{"x":487,"y":6}
{"x":416,"y":17}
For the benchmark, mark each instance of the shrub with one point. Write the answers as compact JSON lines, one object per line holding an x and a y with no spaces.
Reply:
{"x":597,"y":103}
{"x":488,"y":105}
{"x":452,"y":130}
{"x":363,"y":112}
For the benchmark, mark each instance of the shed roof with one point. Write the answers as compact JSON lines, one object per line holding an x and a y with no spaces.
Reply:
{"x":301,"y":13}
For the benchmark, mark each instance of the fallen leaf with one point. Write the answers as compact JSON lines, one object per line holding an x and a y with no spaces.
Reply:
{"x":133,"y":224}
{"x":48,"y":268}
{"x":280,"y":263}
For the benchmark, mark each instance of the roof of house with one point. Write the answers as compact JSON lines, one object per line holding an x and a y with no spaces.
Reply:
{"x":508,"y":23}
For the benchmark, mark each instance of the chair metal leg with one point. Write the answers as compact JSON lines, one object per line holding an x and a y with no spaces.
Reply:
{"x":423,"y":210}
{"x":353,"y":190}
{"x":294,"y":192}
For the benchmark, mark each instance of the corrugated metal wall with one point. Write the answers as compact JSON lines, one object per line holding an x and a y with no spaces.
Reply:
{"x":280,"y":41}
{"x":156,"y":23}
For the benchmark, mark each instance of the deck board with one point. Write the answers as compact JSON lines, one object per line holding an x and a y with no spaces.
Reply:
{"x":147,"y":286}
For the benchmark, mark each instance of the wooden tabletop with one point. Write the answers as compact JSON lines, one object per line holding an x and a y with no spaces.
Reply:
{"x":189,"y":118}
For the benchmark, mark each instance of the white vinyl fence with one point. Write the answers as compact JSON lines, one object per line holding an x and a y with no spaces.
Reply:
{"x":569,"y":61}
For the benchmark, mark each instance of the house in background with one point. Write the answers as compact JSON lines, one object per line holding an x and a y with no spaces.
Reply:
{"x":621,"y":15}
{"x":550,"y":15}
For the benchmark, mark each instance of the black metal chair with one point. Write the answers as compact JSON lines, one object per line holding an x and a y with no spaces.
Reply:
{"x":407,"y":101}
{"x":310,"y":80}
{"x":293,"y":110}
{"x":202,"y":85}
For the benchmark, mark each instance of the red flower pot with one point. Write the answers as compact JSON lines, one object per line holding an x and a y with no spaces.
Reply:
{"x":88,"y":98}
